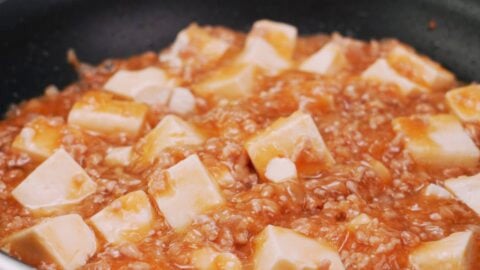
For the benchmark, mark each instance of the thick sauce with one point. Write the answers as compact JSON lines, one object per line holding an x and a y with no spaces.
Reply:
{"x":373,"y":174}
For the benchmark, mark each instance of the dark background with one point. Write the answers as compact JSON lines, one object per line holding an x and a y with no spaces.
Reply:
{"x":35,"y":34}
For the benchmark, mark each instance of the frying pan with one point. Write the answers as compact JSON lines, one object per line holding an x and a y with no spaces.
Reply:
{"x":35,"y":35}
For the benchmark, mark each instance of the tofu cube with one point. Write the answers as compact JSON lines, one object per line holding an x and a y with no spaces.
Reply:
{"x":154,"y":95}
{"x":420,"y":69}
{"x":196,"y":42}
{"x":119,"y":156}
{"x":278,"y":248}
{"x":433,"y":190}
{"x":64,"y":240}
{"x":171,"y":131}
{"x":209,"y":259}
{"x":437,"y":141}
{"x":130,"y":83}
{"x":182,"y":101}
{"x":270,"y":45}
{"x":99,"y":112}
{"x":190,"y":191}
{"x":328,"y":60}
{"x":465,"y":102}
{"x":288,"y":138}
{"x":56,"y":184}
{"x":39,"y":138}
{"x":381,"y":71}
{"x":280,"y":170}
{"x":466,"y":189}
{"x":127,"y":219}
{"x":231,"y":82}
{"x":450,"y":253}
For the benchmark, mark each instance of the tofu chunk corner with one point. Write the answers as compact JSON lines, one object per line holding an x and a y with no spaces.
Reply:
{"x":127,"y":219}
{"x":55,"y":185}
{"x":281,"y":248}
{"x":66,"y":241}
{"x":191,"y":191}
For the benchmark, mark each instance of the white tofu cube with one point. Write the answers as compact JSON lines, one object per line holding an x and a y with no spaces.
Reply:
{"x":127,"y":219}
{"x":280,"y":170}
{"x":270,"y":45}
{"x":465,"y":102}
{"x":197,"y":42}
{"x":171,"y":131}
{"x":289,"y":138}
{"x":466,"y":189}
{"x":130,"y":83}
{"x":99,"y":112}
{"x":231,"y":82}
{"x":420,"y":69}
{"x":433,"y":190}
{"x":328,"y":60}
{"x":281,"y":248}
{"x":39,"y":138}
{"x":190,"y":191}
{"x":437,"y":141}
{"x":451,"y":253}
{"x":382,"y":72}
{"x":64,"y":240}
{"x":356,"y":222}
{"x":154,"y":95}
{"x":119,"y":156}
{"x":282,"y":36}
{"x":182,"y":101}
{"x":56,"y":184}
{"x":209,"y":259}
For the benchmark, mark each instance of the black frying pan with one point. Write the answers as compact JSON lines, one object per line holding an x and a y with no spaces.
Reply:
{"x":35,"y":34}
